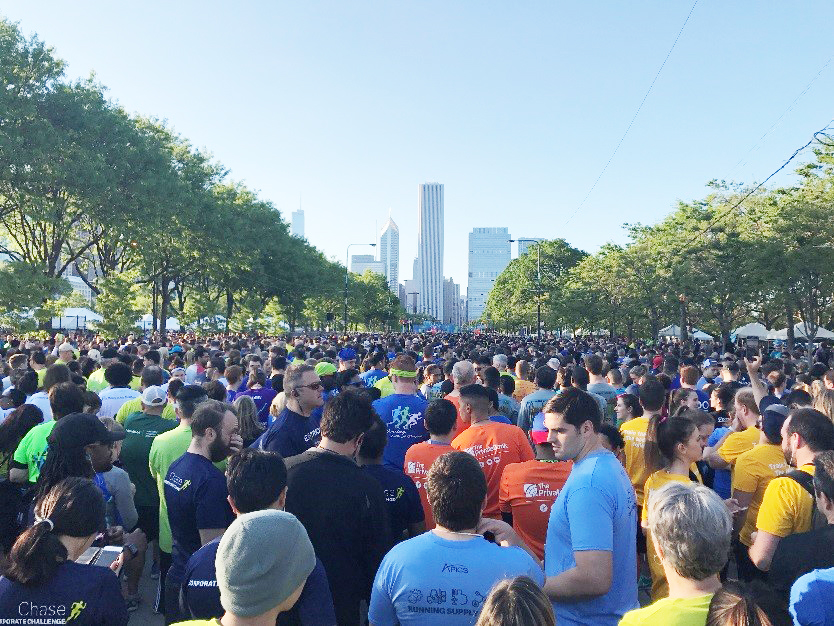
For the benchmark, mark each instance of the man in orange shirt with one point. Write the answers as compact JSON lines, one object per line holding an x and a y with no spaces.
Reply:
{"x":439,"y":420}
{"x":529,"y":489}
{"x":493,"y":444}
{"x":463,"y":373}
{"x":523,"y":385}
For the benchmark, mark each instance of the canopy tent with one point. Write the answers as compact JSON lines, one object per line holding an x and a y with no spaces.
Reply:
{"x":753,"y":329}
{"x":800,"y":332}
{"x":672,"y":330}
{"x":700,"y":334}
{"x":76,"y":318}
{"x":146,"y":323}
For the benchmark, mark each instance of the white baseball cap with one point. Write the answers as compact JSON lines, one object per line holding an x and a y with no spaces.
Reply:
{"x":154,"y":396}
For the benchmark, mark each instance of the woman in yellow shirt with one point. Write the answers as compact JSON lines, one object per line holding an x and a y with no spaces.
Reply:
{"x":673,"y":444}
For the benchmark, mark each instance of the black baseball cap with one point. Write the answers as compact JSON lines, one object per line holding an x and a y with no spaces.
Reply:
{"x":77,"y":430}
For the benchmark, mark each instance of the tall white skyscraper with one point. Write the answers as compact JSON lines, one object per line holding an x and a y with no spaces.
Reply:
{"x":297,"y":224}
{"x":430,"y":249}
{"x":489,"y":254}
{"x":389,"y":253}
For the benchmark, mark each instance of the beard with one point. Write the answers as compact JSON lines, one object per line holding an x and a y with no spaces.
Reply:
{"x":789,"y":458}
{"x":218,"y":450}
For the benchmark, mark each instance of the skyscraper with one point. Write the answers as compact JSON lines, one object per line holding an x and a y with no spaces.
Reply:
{"x":524,"y":244}
{"x":430,"y":249}
{"x":489,"y":254}
{"x":361,"y":262}
{"x":297,"y":224}
{"x":389,"y":253}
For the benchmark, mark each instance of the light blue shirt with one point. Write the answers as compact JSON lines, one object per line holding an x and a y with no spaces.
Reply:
{"x":430,"y":580}
{"x":596,"y":510}
{"x":811,"y":598}
{"x":530,"y":405}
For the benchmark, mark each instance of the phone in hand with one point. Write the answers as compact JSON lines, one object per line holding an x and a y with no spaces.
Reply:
{"x":752,"y":348}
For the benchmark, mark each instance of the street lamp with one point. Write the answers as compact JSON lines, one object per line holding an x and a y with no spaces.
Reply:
{"x":538,"y":284}
{"x":347,"y":258}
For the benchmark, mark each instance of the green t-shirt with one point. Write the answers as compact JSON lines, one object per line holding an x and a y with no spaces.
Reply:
{"x":141,"y":429}
{"x":165,"y":449}
{"x":96,"y":381}
{"x":134,"y":405}
{"x":31,"y":451}
{"x":670,"y":612}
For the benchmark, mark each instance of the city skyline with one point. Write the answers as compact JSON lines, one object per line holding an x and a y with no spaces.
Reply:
{"x":430,"y":248}
{"x":489,"y":254}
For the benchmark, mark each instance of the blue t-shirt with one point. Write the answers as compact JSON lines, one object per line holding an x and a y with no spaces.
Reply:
{"x":291,"y":433}
{"x":262,"y":397}
{"x":722,"y":481}
{"x":371,"y":376}
{"x":201,"y":596}
{"x":403,"y":417}
{"x":195,"y":494}
{"x":401,"y":498}
{"x":86,"y":595}
{"x":532,"y":404}
{"x":502,"y":419}
{"x":811,"y":598}
{"x":596,"y":510}
{"x":430,"y":580}
{"x":703,"y":400}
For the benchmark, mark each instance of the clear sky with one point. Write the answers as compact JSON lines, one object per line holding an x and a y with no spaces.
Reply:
{"x":346,"y":106}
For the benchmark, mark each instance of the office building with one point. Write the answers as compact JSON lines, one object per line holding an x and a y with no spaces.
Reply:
{"x":524,"y":244}
{"x":297,"y":224}
{"x":430,"y":249}
{"x":452,"y":303}
{"x":389,"y":253}
{"x":361,"y":262}
{"x":489,"y":254}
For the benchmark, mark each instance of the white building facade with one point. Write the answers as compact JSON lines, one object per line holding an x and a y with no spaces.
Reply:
{"x":430,"y":249}
{"x":297,"y":224}
{"x":389,"y":254}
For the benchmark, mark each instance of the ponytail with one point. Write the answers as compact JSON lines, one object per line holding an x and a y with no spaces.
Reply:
{"x":662,"y":436}
{"x":73,"y":507}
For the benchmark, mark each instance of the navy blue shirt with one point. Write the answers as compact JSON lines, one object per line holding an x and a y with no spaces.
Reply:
{"x":195,"y":493}
{"x":84,"y":595}
{"x":403,"y":417}
{"x":263,"y":397}
{"x":200,"y":596}
{"x":401,"y":498}
{"x":291,"y":433}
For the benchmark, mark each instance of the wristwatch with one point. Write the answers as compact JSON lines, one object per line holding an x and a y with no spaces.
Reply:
{"x":133,"y":549}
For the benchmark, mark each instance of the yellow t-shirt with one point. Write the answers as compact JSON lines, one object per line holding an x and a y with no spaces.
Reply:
{"x":660,"y":587}
{"x":786,"y":507}
{"x":634,"y":434}
{"x":136,"y":383}
{"x":752,"y":473}
{"x":670,"y":612}
{"x":738,"y":443}
{"x":135,"y":405}
{"x":385,"y":386}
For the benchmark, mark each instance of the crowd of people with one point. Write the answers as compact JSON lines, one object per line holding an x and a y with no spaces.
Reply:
{"x":415,"y":479}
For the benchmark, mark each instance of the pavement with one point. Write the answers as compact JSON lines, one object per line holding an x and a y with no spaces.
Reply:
{"x":147,"y":589}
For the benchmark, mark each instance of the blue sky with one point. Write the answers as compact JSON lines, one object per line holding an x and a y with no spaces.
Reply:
{"x":515,"y":107}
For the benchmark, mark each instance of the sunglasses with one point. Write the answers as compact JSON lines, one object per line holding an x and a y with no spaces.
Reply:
{"x":314,"y":386}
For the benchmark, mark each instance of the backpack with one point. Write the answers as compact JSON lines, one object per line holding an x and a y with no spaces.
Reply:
{"x":806,"y":481}
{"x":15,"y":501}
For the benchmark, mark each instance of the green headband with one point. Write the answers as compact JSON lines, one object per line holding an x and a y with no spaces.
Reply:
{"x":403,"y":373}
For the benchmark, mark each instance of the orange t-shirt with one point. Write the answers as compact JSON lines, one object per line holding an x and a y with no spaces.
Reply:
{"x":418,"y":460}
{"x":494,"y":445}
{"x":460,"y":425}
{"x":523,"y":388}
{"x":528,"y":491}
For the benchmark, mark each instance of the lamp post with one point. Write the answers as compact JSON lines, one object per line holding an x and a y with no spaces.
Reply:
{"x":347,"y":259}
{"x":538,"y":285}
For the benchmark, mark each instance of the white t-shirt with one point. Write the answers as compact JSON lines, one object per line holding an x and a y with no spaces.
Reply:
{"x":113,"y":398}
{"x":41,"y":400}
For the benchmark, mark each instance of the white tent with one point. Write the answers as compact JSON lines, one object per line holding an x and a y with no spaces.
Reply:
{"x":146,"y":322}
{"x":754,"y":329}
{"x":700,"y":334}
{"x":800,"y":332}
{"x":672,"y":330}
{"x":76,"y":318}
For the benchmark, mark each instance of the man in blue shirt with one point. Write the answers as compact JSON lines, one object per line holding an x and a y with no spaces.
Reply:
{"x":377,"y":370}
{"x":296,"y":429}
{"x":402,"y":412}
{"x":533,"y":403}
{"x":256,"y":480}
{"x":811,"y":598}
{"x":444,"y":576}
{"x":195,"y":492}
{"x":590,"y":552}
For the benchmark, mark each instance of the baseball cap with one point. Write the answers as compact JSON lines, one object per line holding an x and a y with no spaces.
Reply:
{"x":110,"y":353}
{"x":554,"y":363}
{"x":154,"y":396}
{"x":325,"y":369}
{"x":539,"y":432}
{"x":65,"y":347}
{"x":77,"y":430}
{"x":94,"y":354}
{"x":347,"y":354}
{"x":773,"y":418}
{"x":175,"y":350}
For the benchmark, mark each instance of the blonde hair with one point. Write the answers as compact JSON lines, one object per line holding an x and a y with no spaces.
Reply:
{"x":824,"y":403}
{"x":247,"y":417}
{"x":516,"y":602}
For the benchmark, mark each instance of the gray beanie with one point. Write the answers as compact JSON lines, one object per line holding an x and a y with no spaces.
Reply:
{"x":262,"y":558}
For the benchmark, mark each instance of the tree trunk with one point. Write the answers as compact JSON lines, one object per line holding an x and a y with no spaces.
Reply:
{"x":165,"y":291}
{"x":230,"y":303}
{"x":789,"y":313}
{"x":154,"y":307}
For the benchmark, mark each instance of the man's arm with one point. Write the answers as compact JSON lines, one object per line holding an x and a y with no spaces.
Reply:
{"x":17,"y":475}
{"x":207,"y":534}
{"x":759,"y":388}
{"x":763,"y":548}
{"x":591,"y":577}
{"x":743,"y":499}
{"x":712,"y":457}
